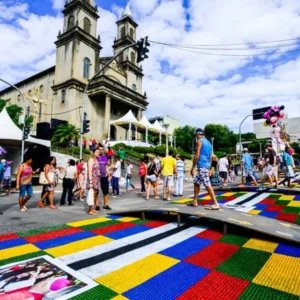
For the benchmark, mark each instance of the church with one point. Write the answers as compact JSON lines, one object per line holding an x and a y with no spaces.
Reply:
{"x":110,"y":95}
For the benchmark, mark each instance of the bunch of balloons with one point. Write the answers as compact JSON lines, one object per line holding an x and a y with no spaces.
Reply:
{"x":273,"y":115}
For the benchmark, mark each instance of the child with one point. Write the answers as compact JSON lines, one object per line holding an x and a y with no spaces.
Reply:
{"x":7,"y":176}
{"x":81,"y":184}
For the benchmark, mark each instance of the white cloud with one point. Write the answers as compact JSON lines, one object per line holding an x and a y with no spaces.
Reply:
{"x":58,"y":4}
{"x":9,"y":11}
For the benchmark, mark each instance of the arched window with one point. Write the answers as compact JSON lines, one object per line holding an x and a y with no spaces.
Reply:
{"x":122,"y":32}
{"x":63,"y":96}
{"x":19,"y":97}
{"x":131,"y":33}
{"x":132,"y":58}
{"x":121,"y":58}
{"x":86,"y":68}
{"x":134,"y":87}
{"x":87,"y":25}
{"x":71,"y":22}
{"x":40,"y":110}
{"x":41,"y":89}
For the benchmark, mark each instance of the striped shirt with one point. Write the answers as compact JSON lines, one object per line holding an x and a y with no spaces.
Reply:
{"x":180,"y":167}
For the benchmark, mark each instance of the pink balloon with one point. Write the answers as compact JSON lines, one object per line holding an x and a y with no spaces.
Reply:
{"x":281,"y":114}
{"x":273,"y":120}
{"x":59,"y":284}
{"x":266,"y":115}
{"x":275,"y":107}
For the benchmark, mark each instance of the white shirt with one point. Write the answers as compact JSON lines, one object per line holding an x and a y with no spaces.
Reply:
{"x":128,"y":169}
{"x":223,"y":165}
{"x":70,"y":172}
{"x":117,"y":173}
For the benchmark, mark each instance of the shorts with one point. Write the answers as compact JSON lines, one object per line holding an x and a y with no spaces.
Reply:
{"x":168,"y":181}
{"x":272,"y":171}
{"x":223,"y":175}
{"x":290,"y":172}
{"x":7,"y":182}
{"x":26,"y":190}
{"x":247,"y":172}
{"x":104,"y":186}
{"x":203,"y":177}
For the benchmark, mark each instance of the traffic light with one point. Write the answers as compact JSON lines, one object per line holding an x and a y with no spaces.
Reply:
{"x":86,"y":124}
{"x":26,"y":132}
{"x":143,"y":49}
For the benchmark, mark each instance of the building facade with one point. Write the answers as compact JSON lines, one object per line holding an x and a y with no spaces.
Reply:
{"x":110,"y":95}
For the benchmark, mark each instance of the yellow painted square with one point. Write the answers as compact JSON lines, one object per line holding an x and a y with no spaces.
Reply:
{"x":227,"y":194}
{"x":128,"y":219}
{"x":262,"y":245}
{"x":205,"y":198}
{"x":282,"y":273}
{"x":254,"y":212}
{"x":88,"y":222}
{"x":137,"y":273}
{"x":294,"y":203}
{"x":171,"y":213}
{"x":78,"y":246}
{"x":183,"y":201}
{"x":119,"y":297}
{"x":287,"y":198}
{"x":17,"y":251}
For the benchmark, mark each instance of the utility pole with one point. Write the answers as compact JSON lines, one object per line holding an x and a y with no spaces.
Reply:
{"x":167,"y":139}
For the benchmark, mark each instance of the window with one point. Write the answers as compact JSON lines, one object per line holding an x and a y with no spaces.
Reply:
{"x":87,"y":25}
{"x":29,"y":92}
{"x":121,"y":58}
{"x":122,"y":32}
{"x":19,"y":97}
{"x":63,"y":96}
{"x":40,"y":110}
{"x":131,"y":33}
{"x":41,"y":89}
{"x":71,"y":22}
{"x":86,"y":68}
{"x":134,"y":87}
{"x":132,"y":58}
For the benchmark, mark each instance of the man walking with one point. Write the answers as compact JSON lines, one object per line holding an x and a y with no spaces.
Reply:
{"x":223,"y":169}
{"x":121,"y":155}
{"x":180,"y":176}
{"x":1,"y":176}
{"x":272,"y":170}
{"x":247,"y":163}
{"x":202,"y":160}
{"x":289,"y":166}
{"x":168,"y":166}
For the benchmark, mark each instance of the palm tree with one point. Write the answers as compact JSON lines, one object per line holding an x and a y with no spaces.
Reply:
{"x":65,"y":133}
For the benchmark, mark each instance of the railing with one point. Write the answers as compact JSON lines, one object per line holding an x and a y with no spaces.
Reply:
{"x":71,"y":151}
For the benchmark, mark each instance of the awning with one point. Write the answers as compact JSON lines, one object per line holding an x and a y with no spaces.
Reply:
{"x":129,"y":118}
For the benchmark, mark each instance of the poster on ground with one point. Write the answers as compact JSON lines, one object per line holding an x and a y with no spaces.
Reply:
{"x":42,"y":278}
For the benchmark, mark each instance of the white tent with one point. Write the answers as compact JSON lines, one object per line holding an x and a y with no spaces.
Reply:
{"x":144,"y":122}
{"x":10,"y":131}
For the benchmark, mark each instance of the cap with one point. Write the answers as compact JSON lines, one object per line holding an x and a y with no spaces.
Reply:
{"x":245,"y":150}
{"x":199,"y":131}
{"x":268,"y":144}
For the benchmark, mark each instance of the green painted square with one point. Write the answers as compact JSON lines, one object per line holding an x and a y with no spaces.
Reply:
{"x":22,"y":257}
{"x":281,"y":202}
{"x":274,"y":196}
{"x":100,"y":292}
{"x":240,"y":194}
{"x":244,"y":264}
{"x":42,"y":230}
{"x":140,"y":222}
{"x":234,"y":239}
{"x":257,"y":292}
{"x":99,"y":225}
{"x":297,"y":221}
{"x":291,"y":210}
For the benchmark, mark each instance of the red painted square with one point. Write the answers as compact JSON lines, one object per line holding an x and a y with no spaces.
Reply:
{"x":275,"y":208}
{"x":209,"y":234}
{"x":204,"y":202}
{"x":287,"y":217}
{"x":216,"y":285}
{"x":154,"y":224}
{"x":51,"y":235}
{"x":268,"y":201}
{"x":112,"y":228}
{"x":229,"y":198}
{"x":8,"y":236}
{"x":213,"y":255}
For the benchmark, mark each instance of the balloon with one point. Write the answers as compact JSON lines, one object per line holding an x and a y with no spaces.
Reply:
{"x":268,"y":122}
{"x":281,"y":114}
{"x":266,"y":115}
{"x":273,"y":120}
{"x":59,"y":284}
{"x":275,"y":108}
{"x":282,"y":107}
{"x":265,"y":123}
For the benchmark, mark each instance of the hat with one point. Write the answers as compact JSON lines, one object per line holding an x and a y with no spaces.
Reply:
{"x":269,"y":145}
{"x":199,"y":131}
{"x":245,"y":149}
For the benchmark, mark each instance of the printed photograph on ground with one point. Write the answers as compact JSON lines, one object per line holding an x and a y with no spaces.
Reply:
{"x":41,"y":278}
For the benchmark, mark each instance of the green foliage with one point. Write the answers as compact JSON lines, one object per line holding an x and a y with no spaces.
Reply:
{"x":64,"y":134}
{"x":184,"y":137}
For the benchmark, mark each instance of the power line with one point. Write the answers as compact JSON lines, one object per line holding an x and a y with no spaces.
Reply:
{"x":62,"y":113}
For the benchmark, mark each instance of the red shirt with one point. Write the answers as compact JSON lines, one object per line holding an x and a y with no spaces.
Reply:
{"x":143,"y":170}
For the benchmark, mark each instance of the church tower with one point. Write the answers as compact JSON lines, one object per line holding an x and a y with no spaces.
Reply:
{"x":127,"y":34}
{"x":78,"y":49}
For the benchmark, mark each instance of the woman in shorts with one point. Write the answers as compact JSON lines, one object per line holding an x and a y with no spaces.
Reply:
{"x":151,"y":180}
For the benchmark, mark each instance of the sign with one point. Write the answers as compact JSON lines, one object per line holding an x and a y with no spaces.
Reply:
{"x":258,"y":113}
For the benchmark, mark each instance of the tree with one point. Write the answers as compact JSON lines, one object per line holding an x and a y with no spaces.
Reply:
{"x":184,"y":137}
{"x":65,"y":133}
{"x":249,"y":136}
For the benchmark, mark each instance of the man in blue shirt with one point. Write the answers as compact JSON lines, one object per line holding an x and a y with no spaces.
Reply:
{"x":202,"y":160}
{"x":289,"y":165}
{"x":247,"y":163}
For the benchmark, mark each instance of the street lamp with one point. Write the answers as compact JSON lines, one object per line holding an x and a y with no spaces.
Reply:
{"x":212,"y":143}
{"x":260,"y":151}
{"x":167,"y":139}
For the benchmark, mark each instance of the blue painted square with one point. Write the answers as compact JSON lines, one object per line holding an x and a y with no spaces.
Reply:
{"x":114,"y":217}
{"x":269,"y":214}
{"x":261,"y":206}
{"x":297,"y":198}
{"x":127,"y":232}
{"x":186,"y":248}
{"x":289,"y":250}
{"x":168,"y":285}
{"x":12,"y":243}
{"x":63,"y":240}
{"x":222,"y":201}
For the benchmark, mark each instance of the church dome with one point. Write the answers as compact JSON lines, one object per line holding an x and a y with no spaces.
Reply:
{"x":127,"y":12}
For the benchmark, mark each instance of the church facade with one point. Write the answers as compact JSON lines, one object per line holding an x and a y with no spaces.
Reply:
{"x":110,"y":95}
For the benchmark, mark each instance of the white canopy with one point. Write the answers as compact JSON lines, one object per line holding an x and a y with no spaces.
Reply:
{"x":158,"y":127}
{"x":129,"y":118}
{"x":144,"y":122}
{"x":10,"y":131}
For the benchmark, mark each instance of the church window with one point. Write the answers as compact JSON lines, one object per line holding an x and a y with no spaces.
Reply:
{"x":40,"y":110}
{"x":134,"y":87}
{"x":131,"y":33}
{"x":86,"y":68}
{"x":121,"y":58}
{"x":63,"y":96}
{"x":133,"y":57}
{"x":87,"y":25}
{"x":122,"y":32}
{"x":41,"y":88}
{"x":29,"y":92}
{"x":19,"y":97}
{"x":71,"y":22}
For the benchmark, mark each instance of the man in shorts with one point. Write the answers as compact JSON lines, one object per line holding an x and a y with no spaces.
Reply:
{"x":168,"y":167}
{"x":202,"y":160}
{"x":247,"y":163}
{"x":272,"y":169}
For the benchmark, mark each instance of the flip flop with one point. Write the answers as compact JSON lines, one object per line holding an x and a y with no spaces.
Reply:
{"x":192,"y":205}
{"x":52,"y":207}
{"x":211,"y":208}
{"x":40,"y":205}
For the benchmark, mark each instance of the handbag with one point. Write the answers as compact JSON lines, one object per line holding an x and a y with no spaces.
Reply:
{"x":43,"y":180}
{"x":90,"y":198}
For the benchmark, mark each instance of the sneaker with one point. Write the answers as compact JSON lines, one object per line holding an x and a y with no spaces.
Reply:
{"x":106,"y":207}
{"x":81,"y":200}
{"x":97,"y":208}
{"x":71,"y":203}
